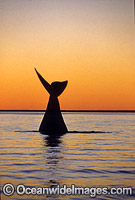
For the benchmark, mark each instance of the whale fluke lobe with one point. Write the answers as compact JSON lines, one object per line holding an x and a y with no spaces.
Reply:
{"x":58,"y":87}
{"x":44,"y":82}
{"x":53,"y":123}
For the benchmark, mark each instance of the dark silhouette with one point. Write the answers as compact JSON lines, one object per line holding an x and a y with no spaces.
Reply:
{"x":53,"y":123}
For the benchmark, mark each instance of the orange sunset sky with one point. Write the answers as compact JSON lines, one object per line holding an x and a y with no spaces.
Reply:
{"x":90,"y":43}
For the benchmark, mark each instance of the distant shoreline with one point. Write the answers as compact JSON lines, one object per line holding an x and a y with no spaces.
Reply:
{"x":69,"y":110}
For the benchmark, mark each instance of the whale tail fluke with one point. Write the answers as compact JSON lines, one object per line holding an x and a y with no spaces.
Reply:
{"x":56,"y":88}
{"x":52,"y":122}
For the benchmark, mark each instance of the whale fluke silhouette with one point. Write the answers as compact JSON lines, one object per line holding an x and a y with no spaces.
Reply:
{"x":53,"y":123}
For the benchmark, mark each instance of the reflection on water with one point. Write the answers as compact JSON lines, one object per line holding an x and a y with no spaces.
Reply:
{"x":53,"y":156}
{"x":52,"y":141}
{"x":88,"y":160}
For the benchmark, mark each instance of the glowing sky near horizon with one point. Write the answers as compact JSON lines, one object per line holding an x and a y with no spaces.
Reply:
{"x":90,"y":43}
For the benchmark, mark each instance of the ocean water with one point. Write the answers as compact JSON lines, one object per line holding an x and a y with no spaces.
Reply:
{"x":80,"y":158}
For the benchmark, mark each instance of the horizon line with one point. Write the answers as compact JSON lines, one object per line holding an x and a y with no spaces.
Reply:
{"x":19,"y":110}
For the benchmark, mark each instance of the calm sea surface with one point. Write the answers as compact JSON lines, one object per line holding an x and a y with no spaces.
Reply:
{"x":83,"y":159}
